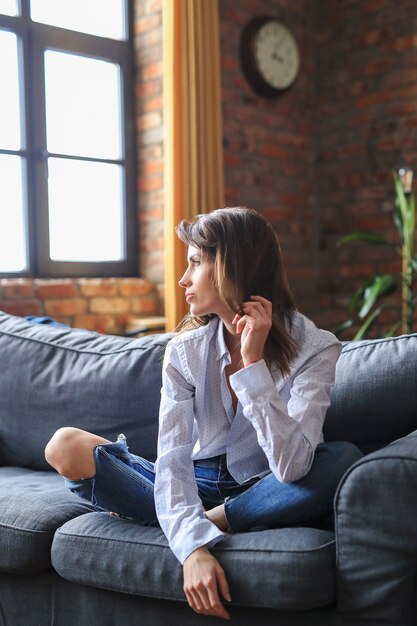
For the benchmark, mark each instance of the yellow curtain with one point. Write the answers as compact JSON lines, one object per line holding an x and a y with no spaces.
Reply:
{"x":193,"y":166}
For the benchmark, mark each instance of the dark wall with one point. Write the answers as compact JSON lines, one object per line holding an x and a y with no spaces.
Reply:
{"x":318,"y":160}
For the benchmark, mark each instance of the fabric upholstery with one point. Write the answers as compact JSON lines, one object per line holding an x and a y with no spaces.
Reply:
{"x":53,"y":377}
{"x":376,"y":507}
{"x":289,"y":568}
{"x":54,"y":601}
{"x":33,"y":504}
{"x":374,"y":399}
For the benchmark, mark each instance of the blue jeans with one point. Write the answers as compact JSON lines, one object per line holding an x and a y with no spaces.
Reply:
{"x":124,"y":484}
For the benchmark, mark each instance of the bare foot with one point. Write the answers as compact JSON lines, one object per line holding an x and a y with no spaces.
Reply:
{"x":218,"y":517}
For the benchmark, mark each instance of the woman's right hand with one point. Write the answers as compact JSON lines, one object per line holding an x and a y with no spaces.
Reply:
{"x":204,"y":581}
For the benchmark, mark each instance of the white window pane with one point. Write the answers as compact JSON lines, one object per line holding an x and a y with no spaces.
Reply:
{"x":82,"y":106}
{"x":12,"y":224}
{"x":85,"y":211}
{"x":9,"y":100}
{"x":105,"y":18}
{"x":8,"y":7}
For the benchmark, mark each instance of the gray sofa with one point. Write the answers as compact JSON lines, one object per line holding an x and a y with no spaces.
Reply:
{"x":64,"y":564}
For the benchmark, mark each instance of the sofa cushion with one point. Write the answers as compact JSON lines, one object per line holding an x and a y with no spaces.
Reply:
{"x":33,"y":505}
{"x":52,"y":377}
{"x":289,"y":568}
{"x":375,"y":397}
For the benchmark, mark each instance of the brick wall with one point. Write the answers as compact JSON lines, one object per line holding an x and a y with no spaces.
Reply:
{"x":318,"y":160}
{"x":367,"y":127}
{"x":148,"y":49}
{"x":269,"y":145}
{"x":101,"y":304}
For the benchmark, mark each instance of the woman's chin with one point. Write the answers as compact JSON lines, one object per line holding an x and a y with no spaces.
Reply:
{"x":197,"y":311}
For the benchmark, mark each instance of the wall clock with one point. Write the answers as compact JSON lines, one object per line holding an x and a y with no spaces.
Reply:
{"x":269,"y":56}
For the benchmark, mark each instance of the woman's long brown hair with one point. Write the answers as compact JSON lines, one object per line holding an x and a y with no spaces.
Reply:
{"x":247,"y":261}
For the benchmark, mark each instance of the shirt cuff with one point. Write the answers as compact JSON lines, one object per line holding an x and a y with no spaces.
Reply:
{"x":188,"y":539}
{"x":254,"y":379}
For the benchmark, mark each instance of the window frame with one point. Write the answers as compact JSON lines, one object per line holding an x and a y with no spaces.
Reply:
{"x":33,"y":39}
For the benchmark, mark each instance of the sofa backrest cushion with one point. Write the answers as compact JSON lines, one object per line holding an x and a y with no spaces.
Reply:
{"x":374,"y":400}
{"x":55,"y":376}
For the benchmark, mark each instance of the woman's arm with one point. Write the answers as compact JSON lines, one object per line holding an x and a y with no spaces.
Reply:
{"x":288,"y":433}
{"x":178,"y":505}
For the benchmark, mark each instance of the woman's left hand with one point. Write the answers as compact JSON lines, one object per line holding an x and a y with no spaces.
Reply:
{"x":254,"y":327}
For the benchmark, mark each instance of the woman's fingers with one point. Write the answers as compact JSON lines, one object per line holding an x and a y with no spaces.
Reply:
{"x":266,"y":303}
{"x":259,"y":305}
{"x":201,"y":574}
{"x":223,"y":585}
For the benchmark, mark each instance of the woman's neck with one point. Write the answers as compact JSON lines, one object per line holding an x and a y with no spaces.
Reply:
{"x":232,"y":339}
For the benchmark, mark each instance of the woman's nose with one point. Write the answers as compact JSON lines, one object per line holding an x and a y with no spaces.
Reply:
{"x":184,"y":281}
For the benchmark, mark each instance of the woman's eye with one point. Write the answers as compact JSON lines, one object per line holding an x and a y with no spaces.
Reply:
{"x":195,"y":262}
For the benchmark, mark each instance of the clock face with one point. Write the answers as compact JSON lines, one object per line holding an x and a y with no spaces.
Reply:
{"x":276,"y":55}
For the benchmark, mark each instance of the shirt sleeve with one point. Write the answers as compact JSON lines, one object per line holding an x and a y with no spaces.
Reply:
{"x":288,"y":433}
{"x":178,"y":506}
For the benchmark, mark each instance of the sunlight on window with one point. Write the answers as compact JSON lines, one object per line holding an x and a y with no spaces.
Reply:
{"x":12,"y":227}
{"x":105,"y":18}
{"x":82,"y":106}
{"x":84,"y":211}
{"x":8,"y":7}
{"x":9,"y":100}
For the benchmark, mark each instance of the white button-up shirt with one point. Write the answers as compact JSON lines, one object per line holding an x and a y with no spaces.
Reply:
{"x":276,"y":428}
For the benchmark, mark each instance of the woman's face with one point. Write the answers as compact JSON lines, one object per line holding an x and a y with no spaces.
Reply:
{"x":200,"y":293}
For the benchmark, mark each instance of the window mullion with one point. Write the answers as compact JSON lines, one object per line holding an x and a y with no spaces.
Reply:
{"x":38,"y":159}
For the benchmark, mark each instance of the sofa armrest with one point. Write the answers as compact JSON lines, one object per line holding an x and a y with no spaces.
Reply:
{"x":376,"y":535}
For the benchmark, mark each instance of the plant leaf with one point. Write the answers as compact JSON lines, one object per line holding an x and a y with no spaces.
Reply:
{"x":380,"y":286}
{"x":365,"y":328}
{"x":412,"y":221}
{"x":341,"y":328}
{"x":397,"y":220}
{"x":373,"y":238}
{"x":393,"y":330}
{"x":402,"y":206}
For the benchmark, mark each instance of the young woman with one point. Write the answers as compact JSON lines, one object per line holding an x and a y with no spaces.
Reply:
{"x":246,"y":386}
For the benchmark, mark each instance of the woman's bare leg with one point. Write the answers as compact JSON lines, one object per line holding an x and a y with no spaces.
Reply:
{"x":218,"y":517}
{"x":71,"y":452}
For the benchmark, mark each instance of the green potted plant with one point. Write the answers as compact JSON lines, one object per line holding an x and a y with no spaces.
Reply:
{"x":365,"y":305}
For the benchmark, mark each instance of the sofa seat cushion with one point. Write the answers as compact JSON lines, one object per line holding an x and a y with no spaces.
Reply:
{"x":290,"y":568}
{"x":33,"y":504}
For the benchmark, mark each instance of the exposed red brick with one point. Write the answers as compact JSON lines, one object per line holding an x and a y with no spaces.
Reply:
{"x":15,"y":289}
{"x":21,"y":308}
{"x":135,"y":287}
{"x":68,"y":307}
{"x":145,"y":305}
{"x":153,"y":104}
{"x":152,"y":71}
{"x":147,"y":22}
{"x":100,"y":323}
{"x":109,"y":305}
{"x":92,"y":287}
{"x":150,"y":183}
{"x":55,"y":289}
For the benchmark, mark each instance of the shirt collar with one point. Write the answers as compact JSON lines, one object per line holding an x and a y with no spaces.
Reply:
{"x":221,"y":348}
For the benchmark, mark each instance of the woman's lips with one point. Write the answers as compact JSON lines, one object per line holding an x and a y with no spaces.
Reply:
{"x":189,"y":296}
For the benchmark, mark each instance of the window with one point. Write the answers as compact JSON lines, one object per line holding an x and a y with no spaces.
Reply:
{"x":67,"y":201}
